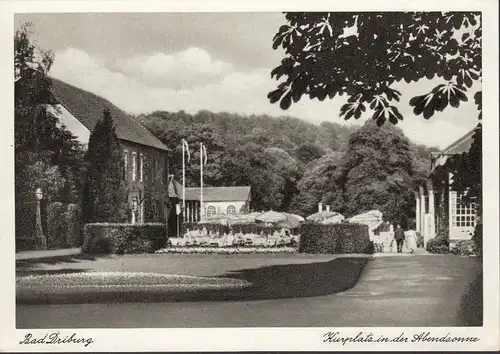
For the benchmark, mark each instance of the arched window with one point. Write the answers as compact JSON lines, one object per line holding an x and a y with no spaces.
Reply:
{"x":231,"y":209}
{"x":211,"y":211}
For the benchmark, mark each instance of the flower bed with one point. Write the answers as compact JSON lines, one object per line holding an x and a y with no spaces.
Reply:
{"x":119,"y":281}
{"x":228,"y":250}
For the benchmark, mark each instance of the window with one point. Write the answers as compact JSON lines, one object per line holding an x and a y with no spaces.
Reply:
{"x":125,"y":164}
{"x":154,"y":169}
{"x":134,"y":210}
{"x":462,"y":215}
{"x":141,"y":168}
{"x":231,"y":209}
{"x":211,"y":211}
{"x":134,"y":166}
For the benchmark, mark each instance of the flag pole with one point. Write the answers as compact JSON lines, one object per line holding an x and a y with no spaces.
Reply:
{"x":183,"y":182}
{"x":201,"y":182}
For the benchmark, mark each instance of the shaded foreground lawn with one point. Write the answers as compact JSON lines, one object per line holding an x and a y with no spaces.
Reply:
{"x":271,"y":277}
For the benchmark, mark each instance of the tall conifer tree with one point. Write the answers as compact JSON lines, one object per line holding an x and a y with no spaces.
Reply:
{"x":105,"y":192}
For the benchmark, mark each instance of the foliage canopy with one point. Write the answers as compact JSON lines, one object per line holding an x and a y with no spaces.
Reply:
{"x":363,"y":54}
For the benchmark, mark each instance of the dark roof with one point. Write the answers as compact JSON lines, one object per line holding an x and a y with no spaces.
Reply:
{"x":87,"y":108}
{"x":461,"y":145}
{"x":210,"y":194}
{"x":458,"y":147}
{"x":219,"y":194}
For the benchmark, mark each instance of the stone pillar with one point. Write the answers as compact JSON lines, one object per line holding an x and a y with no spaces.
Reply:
{"x":417,"y":212}
{"x":422,"y":209}
{"x":328,"y":208}
{"x":320,"y":207}
{"x":432,"y":213}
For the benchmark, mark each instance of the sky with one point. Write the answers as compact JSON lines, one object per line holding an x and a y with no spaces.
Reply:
{"x":220,"y":62}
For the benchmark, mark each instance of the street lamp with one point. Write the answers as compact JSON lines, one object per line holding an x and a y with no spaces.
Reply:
{"x":39,"y":230}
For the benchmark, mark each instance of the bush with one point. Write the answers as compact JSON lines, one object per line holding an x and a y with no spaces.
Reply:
{"x":463,"y":247}
{"x":74,"y":226}
{"x":56,"y":225}
{"x":438,"y":245}
{"x":123,"y":238}
{"x":477,"y":238}
{"x":370,"y":248}
{"x":334,"y":238}
{"x":471,"y":305}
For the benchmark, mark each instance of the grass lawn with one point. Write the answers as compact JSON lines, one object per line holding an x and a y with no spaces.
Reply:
{"x":271,"y":277}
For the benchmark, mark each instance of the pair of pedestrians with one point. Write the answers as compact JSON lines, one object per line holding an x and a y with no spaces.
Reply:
{"x":400,"y":237}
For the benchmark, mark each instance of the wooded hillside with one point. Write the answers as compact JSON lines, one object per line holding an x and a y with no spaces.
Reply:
{"x":292,"y":165}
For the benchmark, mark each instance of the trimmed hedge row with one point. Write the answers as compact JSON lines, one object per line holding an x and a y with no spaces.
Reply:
{"x":335,"y":238}
{"x":104,"y":238}
{"x":249,"y":228}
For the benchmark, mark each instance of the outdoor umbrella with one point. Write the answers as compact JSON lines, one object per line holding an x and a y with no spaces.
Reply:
{"x":333,"y":219}
{"x":271,"y":217}
{"x":295,"y":217}
{"x":372,"y":218}
{"x":322,"y":215}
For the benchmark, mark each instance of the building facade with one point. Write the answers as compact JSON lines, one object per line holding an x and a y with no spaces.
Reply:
{"x":440,"y":210}
{"x":144,"y":156}
{"x":216,"y":201}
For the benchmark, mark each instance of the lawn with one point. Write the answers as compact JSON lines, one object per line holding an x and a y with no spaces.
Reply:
{"x":262,"y":276}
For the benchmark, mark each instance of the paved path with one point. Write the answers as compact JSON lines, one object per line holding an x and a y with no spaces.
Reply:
{"x":28,"y":255}
{"x":419,"y":290}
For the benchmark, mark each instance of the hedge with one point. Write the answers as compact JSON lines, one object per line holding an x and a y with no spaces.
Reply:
{"x":334,"y":238}
{"x":477,"y":238}
{"x":463,"y":247}
{"x":56,"y":226}
{"x":438,"y":245}
{"x":107,"y":238}
{"x":73,"y":218}
{"x":248,"y":228}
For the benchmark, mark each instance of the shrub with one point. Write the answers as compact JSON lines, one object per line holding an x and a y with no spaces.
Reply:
{"x":123,"y":238}
{"x":370,"y":248}
{"x":334,"y":238}
{"x":73,"y":220}
{"x":56,"y":225}
{"x":463,"y":247}
{"x":471,"y":305}
{"x":477,"y":238}
{"x":438,"y":245}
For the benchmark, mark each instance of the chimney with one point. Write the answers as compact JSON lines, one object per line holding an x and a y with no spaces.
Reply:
{"x":328,"y":208}
{"x":320,"y":207}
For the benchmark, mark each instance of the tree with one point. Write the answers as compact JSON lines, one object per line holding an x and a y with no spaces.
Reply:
{"x":322,"y":182}
{"x":363,"y":54}
{"x":309,"y":152}
{"x":378,"y":172}
{"x":104,"y":192}
{"x":39,"y":138}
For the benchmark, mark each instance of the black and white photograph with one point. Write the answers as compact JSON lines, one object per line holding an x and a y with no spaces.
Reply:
{"x":208,"y":170}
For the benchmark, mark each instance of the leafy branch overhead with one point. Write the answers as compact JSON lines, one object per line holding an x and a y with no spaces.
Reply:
{"x":362,"y":55}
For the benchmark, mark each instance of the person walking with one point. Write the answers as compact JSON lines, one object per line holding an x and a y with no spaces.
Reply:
{"x":399,"y":236}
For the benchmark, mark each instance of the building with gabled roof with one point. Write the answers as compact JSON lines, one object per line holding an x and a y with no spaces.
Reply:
{"x":145,"y":156}
{"x":216,"y":200}
{"x":439,"y":210}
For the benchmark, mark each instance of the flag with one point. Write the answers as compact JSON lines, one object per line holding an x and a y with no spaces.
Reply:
{"x":204,"y":153}
{"x":186,"y":146}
